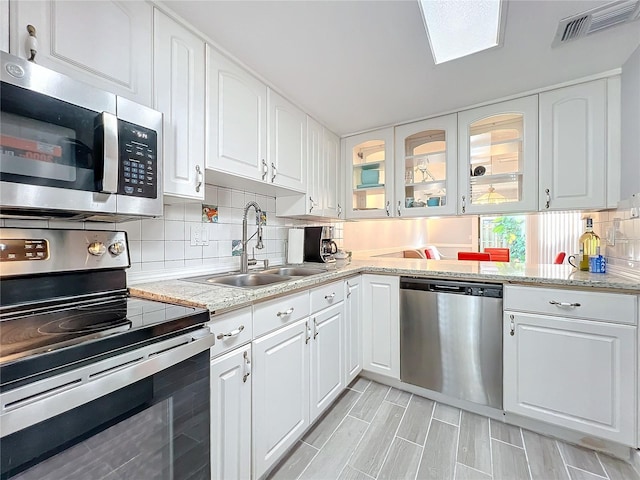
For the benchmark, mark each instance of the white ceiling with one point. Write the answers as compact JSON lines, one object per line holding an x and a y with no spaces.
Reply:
{"x":356,"y":65}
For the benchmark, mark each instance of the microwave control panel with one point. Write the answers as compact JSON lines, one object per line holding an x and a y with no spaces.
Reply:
{"x":138,"y":161}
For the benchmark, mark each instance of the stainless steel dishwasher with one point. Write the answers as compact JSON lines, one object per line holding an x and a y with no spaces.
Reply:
{"x":451,"y":338}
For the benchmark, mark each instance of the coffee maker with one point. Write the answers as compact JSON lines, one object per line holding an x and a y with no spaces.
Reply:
{"x":319,"y":245}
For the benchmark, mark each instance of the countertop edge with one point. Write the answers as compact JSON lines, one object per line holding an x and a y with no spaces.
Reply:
{"x":221,"y":299}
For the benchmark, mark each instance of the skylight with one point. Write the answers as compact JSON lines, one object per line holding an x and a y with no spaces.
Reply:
{"x":457,"y":28}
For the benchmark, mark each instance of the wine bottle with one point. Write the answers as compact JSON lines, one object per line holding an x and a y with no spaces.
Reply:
{"x":589,"y":244}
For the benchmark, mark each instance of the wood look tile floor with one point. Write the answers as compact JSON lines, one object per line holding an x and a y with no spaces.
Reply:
{"x":374,"y":431}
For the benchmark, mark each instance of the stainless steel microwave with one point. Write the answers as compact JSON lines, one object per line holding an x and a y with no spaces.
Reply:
{"x":69,"y":150}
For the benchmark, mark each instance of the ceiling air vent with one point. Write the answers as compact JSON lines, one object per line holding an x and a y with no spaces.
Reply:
{"x":596,"y":19}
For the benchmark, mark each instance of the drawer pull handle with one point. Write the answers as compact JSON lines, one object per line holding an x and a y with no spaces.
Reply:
{"x":330,"y":297}
{"x":232,"y":333}
{"x":564,"y":304}
{"x":285,"y":313}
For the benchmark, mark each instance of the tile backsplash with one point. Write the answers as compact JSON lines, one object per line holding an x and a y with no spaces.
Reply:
{"x":619,"y":234}
{"x":165,"y":243}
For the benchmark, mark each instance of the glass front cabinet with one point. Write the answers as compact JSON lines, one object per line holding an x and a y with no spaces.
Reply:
{"x":498,"y":157}
{"x":369,"y":174}
{"x":425,"y":172}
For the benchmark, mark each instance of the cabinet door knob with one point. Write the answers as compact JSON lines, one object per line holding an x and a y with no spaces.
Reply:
{"x":547,"y":193}
{"x":199,"y":178}
{"x":32,"y":43}
{"x":247,"y":367}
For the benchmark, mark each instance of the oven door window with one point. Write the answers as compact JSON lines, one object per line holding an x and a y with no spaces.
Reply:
{"x":45,"y":141}
{"x":157,"y":428}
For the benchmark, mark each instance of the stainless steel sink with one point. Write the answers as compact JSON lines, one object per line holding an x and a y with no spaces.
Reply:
{"x":241,"y":280}
{"x":295,"y":271}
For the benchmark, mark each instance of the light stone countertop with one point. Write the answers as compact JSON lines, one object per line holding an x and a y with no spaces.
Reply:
{"x":218,"y":299}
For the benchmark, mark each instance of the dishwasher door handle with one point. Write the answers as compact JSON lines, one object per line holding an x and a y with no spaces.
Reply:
{"x":447,"y":288}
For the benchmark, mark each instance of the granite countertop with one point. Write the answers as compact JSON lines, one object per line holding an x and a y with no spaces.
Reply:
{"x":218,"y":299}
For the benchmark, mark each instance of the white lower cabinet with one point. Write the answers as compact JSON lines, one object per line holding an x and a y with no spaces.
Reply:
{"x":352,"y":328}
{"x":280,"y":392}
{"x":575,"y":373}
{"x":231,"y":415}
{"x":327,"y":371}
{"x":381,"y":324}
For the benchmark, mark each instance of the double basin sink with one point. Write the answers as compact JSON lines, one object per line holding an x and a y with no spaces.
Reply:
{"x":258,"y":279}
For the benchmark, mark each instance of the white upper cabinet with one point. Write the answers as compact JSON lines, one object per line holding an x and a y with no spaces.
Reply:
{"x":287,"y":137}
{"x":322,"y":180}
{"x":236,"y":119}
{"x":573,"y":147}
{"x":4,"y":25}
{"x":425,"y":167}
{"x":332,"y":203}
{"x":498,"y":157}
{"x":369,"y":174}
{"x":107,"y":44}
{"x":315,"y":168}
{"x":630,"y":120}
{"x":179,"y":73}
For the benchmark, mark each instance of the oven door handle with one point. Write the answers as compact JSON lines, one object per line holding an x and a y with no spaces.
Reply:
{"x":25,"y":406}
{"x":111,"y":153}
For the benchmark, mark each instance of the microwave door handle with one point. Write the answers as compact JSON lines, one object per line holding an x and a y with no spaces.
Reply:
{"x":110,"y":153}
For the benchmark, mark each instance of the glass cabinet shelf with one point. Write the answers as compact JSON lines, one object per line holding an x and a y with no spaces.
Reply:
{"x":426,"y":167}
{"x":426,"y":185}
{"x":495,"y":179}
{"x":369,"y":178}
{"x":369,"y":165}
{"x":363,"y":188}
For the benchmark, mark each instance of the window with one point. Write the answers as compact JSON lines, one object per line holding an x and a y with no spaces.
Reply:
{"x":504,"y":231}
{"x":532,"y":238}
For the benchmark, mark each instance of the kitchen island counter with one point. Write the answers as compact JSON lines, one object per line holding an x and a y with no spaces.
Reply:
{"x":218,"y":299}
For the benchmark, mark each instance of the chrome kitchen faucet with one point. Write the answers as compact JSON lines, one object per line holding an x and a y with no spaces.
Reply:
{"x":244,"y":257}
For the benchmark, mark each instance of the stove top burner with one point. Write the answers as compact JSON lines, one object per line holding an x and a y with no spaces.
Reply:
{"x":35,"y":342}
{"x":86,"y":320}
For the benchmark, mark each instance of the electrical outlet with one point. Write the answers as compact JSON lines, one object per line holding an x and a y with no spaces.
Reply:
{"x":199,"y":235}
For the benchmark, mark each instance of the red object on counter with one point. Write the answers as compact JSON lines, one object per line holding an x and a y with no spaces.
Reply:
{"x":559,"y":258}
{"x":499,"y":254}
{"x":480,"y":256}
